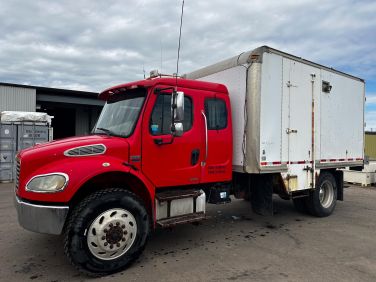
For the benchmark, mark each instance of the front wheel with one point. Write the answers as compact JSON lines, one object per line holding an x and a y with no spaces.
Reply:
{"x":323,"y":199}
{"x":106,"y":232}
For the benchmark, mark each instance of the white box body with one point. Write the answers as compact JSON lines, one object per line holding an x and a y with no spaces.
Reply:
{"x":290,"y":123}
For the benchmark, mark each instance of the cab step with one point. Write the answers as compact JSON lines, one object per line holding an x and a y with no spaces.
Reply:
{"x":167,"y":196}
{"x":187,"y":218}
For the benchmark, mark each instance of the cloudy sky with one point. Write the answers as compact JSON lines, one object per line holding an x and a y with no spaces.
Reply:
{"x":91,"y":45}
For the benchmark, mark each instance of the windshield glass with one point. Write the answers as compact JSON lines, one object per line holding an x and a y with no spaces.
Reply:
{"x":120,"y":113}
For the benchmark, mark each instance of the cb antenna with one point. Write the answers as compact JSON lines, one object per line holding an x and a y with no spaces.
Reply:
{"x":177,"y":62}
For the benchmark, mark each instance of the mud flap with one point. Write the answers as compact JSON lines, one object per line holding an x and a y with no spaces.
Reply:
{"x":261,"y":188}
{"x":339,"y":179}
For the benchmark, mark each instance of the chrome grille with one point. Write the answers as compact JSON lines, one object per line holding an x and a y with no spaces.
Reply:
{"x":89,"y":150}
{"x":18,"y":171}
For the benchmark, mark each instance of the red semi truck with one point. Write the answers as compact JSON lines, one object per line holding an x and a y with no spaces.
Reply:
{"x":164,"y":147}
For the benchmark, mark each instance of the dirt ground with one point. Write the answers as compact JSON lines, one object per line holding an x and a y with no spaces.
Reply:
{"x":232,"y":245}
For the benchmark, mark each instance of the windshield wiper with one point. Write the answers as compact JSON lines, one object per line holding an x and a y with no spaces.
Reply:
{"x":105,"y":130}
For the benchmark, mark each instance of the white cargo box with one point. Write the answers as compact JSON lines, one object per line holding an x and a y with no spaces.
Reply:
{"x":363,"y":178}
{"x":16,"y":116}
{"x":290,"y":115}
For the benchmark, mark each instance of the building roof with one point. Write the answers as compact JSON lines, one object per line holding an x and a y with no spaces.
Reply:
{"x":55,"y":91}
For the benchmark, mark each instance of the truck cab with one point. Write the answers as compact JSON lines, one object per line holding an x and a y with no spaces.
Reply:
{"x":159,"y":143}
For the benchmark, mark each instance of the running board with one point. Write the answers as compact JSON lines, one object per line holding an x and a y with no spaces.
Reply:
{"x":177,"y":194}
{"x":187,"y":218}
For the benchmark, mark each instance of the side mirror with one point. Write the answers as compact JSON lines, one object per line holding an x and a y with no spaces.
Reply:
{"x":177,"y":106}
{"x":177,"y":113}
{"x":179,"y":130}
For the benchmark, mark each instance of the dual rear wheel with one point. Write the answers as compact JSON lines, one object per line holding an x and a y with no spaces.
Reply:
{"x":322,"y":200}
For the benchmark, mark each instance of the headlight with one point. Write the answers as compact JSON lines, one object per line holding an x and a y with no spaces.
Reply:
{"x":53,"y":182}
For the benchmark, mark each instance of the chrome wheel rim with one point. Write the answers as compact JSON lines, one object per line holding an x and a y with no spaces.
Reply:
{"x":326,"y":194}
{"x":111,"y":234}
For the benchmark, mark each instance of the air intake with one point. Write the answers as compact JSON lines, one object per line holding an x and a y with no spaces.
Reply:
{"x":90,"y":150}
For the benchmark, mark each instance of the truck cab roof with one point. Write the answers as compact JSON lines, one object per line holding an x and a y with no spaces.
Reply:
{"x":169,"y":81}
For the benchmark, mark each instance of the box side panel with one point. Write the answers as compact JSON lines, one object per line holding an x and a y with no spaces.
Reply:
{"x":342,"y":119}
{"x":235,"y":81}
{"x":271,"y":109}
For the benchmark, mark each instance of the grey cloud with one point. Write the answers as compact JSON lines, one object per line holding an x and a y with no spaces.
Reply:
{"x":91,"y":45}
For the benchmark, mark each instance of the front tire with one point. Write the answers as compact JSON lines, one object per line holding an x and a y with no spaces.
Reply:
{"x":106,"y":232}
{"x":323,"y":198}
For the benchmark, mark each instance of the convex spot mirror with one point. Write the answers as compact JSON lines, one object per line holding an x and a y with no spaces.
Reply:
{"x":177,"y":113}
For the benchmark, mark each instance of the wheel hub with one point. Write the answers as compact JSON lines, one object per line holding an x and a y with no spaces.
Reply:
{"x":111,"y":234}
{"x":326,"y":194}
{"x":114,"y":235}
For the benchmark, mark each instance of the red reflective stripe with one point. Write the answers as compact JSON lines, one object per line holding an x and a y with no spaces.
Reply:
{"x":264,"y":163}
{"x":341,"y":160}
{"x":332,"y":160}
{"x":323,"y":160}
{"x":359,"y":159}
{"x":276,"y":163}
{"x":351,"y":159}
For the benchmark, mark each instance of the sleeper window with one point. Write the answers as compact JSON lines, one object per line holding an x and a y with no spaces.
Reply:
{"x":216,"y":113}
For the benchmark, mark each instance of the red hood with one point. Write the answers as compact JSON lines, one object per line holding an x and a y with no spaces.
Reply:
{"x":47,"y":153}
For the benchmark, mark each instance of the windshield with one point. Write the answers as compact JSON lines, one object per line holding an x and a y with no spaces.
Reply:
{"x":120,"y":113}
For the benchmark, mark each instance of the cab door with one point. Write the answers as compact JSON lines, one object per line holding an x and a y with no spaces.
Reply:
{"x":166,"y":160}
{"x":217,"y":161}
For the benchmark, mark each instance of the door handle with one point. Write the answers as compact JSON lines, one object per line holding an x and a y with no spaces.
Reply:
{"x":203,"y":163}
{"x":289,"y":130}
{"x":195,"y":156}
{"x":164,"y":140}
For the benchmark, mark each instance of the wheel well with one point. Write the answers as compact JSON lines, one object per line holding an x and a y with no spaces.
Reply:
{"x":114,"y":180}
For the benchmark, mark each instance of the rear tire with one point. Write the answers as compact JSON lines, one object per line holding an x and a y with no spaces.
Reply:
{"x":322,"y":200}
{"x":106,"y":232}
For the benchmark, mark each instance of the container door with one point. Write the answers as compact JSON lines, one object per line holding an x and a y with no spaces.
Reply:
{"x":166,"y":160}
{"x":7,"y":151}
{"x":31,"y":134}
{"x":298,"y":90}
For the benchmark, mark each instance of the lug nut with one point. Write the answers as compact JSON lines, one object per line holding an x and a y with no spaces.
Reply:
{"x":123,"y":239}
{"x":125,"y":232}
{"x":111,"y":246}
{"x":118,"y":245}
{"x":105,"y":231}
{"x":103,"y":237}
{"x":123,"y":226}
{"x":105,"y":243}
{"x":117,"y":223}
{"x":111,"y":225}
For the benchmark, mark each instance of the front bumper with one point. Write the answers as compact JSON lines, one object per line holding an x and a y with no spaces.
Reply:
{"x":40,"y":218}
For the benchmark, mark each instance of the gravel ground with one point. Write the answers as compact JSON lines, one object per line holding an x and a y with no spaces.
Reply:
{"x":232,"y":245}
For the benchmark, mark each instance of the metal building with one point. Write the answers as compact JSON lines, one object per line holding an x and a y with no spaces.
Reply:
{"x":75,"y":112}
{"x":370,"y":145}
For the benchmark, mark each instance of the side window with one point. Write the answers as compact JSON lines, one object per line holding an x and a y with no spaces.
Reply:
{"x":216,"y":113}
{"x":160,"y":122}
